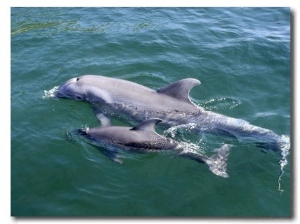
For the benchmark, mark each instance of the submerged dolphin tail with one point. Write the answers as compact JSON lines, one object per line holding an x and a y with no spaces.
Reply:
{"x":217,"y":163}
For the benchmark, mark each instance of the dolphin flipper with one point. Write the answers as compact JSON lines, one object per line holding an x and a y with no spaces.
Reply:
{"x":104,"y":121}
{"x":112,"y":156}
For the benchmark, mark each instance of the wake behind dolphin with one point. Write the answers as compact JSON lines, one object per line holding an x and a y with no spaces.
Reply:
{"x":171,"y":104}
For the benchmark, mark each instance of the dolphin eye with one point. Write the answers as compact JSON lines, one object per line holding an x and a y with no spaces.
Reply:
{"x":78,"y":97}
{"x":77,"y":79}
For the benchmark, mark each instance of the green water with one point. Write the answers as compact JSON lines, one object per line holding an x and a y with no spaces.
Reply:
{"x":240,"y":55}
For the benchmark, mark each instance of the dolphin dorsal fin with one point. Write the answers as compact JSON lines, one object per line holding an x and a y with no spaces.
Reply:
{"x":148,"y":125}
{"x":180,"y":89}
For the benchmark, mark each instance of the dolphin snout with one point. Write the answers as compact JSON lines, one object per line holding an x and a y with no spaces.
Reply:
{"x":82,"y":132}
{"x":62,"y":89}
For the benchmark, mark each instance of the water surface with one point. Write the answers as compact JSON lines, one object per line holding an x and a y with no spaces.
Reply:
{"x":240,"y":55}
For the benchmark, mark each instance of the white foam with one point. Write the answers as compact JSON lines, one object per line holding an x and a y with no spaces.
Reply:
{"x":191,"y":147}
{"x":86,"y":127}
{"x":220,"y":103}
{"x":50,"y":93}
{"x":172,"y":131}
{"x":285,"y":151}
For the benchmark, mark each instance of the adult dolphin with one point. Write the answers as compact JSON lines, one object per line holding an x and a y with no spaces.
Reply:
{"x":144,"y":138}
{"x":170,"y":103}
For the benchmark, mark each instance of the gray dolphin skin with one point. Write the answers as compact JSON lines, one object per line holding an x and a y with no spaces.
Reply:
{"x":171,"y":104}
{"x":143,"y":138}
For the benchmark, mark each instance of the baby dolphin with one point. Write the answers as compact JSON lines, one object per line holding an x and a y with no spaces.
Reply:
{"x":144,"y":138}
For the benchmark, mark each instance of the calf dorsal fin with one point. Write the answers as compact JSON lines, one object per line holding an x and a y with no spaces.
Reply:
{"x":148,"y":125}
